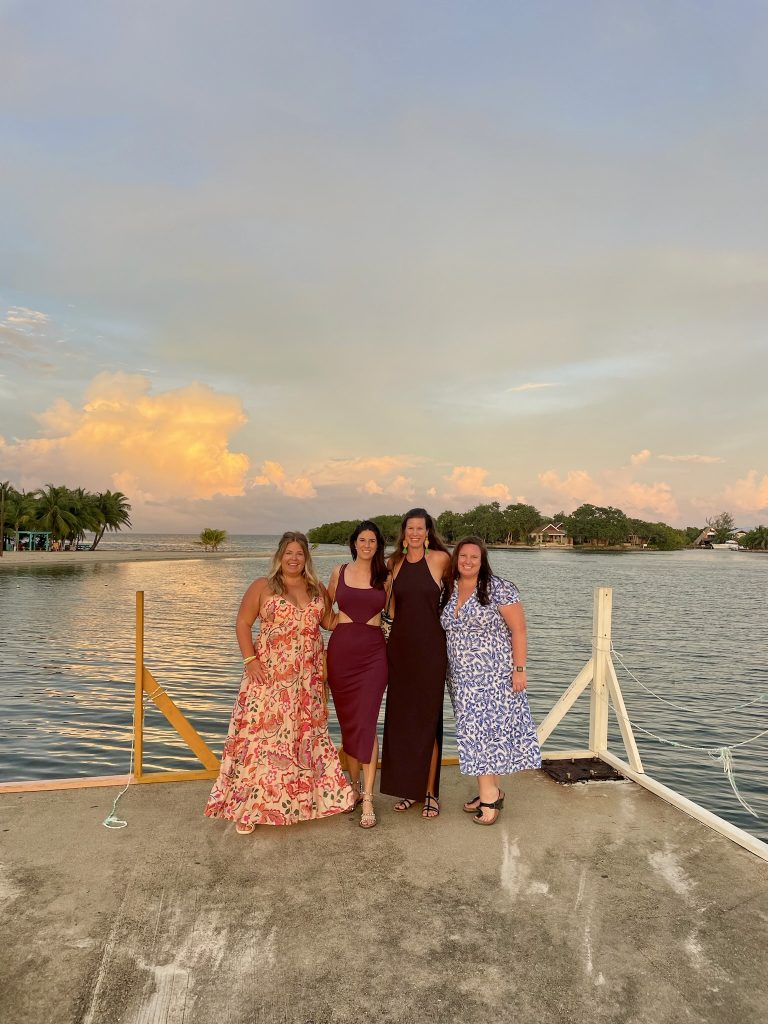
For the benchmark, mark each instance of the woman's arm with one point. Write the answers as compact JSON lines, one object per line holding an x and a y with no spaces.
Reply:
{"x":247,"y":613}
{"x":330,"y":618}
{"x":514,"y":617}
{"x":439,"y":563}
{"x":333,"y":583}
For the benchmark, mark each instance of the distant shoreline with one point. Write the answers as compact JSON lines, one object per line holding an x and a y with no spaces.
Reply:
{"x":15,"y":559}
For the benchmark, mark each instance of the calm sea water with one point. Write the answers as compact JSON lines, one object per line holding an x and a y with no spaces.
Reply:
{"x":690,"y":625}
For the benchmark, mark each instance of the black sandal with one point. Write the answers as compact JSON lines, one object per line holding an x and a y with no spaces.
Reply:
{"x":431,"y":808}
{"x":471,"y":805}
{"x":496,"y":806}
{"x":405,"y":804}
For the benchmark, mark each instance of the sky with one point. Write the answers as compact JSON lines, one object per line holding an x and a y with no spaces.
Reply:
{"x":264,"y":266}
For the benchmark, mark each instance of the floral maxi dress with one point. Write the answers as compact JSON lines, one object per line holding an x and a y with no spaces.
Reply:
{"x":495,"y":731}
{"x":279,"y":764}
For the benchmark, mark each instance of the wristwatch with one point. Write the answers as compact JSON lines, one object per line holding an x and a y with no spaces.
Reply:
{"x":519,"y":668}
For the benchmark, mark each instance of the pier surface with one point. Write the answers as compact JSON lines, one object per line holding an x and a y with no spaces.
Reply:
{"x":596,"y":902}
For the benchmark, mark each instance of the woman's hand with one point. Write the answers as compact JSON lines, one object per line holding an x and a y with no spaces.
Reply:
{"x":255,"y":672}
{"x":519,"y":681}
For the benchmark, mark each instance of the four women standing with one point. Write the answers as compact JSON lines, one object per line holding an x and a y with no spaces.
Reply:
{"x":279,"y":764}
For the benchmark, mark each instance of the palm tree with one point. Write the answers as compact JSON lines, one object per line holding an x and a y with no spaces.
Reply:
{"x":112,"y":512}
{"x":82,"y":504}
{"x":211,"y":539}
{"x":53,"y":511}
{"x":5,"y":493}
{"x":757,"y":538}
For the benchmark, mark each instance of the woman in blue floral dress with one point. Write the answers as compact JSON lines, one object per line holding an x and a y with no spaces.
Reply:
{"x":487,"y":647}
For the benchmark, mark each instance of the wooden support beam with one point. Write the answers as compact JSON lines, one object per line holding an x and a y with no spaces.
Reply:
{"x":565,"y":703}
{"x":630,"y":745}
{"x":182,"y":725}
{"x":725,"y":828}
{"x":601,"y":649}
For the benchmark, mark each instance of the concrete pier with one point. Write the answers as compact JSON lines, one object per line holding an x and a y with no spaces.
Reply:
{"x":595,"y":902}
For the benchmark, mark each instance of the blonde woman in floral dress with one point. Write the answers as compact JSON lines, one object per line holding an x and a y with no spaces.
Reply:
{"x":279,"y":764}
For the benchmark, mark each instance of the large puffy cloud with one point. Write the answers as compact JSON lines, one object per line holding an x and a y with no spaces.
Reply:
{"x":469,"y":481}
{"x":749,"y":497}
{"x":616,"y":488}
{"x":174,"y":444}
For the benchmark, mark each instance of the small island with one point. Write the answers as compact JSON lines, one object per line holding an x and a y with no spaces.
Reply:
{"x":588,"y":526}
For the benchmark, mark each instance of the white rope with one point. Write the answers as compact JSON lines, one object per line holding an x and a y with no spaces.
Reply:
{"x":111,"y":821}
{"x":720,"y":755}
{"x":682,"y":707}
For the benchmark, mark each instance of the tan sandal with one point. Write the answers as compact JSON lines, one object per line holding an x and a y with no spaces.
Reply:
{"x":367,"y":818}
{"x":245,"y":829}
{"x":358,"y":794}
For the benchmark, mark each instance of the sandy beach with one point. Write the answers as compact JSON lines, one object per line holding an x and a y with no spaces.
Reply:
{"x":15,"y":559}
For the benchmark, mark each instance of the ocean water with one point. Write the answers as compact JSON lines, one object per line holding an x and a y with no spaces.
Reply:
{"x":689,"y":625}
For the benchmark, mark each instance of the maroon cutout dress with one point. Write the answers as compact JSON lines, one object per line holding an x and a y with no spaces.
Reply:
{"x":357,"y":667}
{"x":418,"y":665}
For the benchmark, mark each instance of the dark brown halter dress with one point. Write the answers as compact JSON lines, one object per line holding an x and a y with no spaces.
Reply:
{"x":417,"y":668}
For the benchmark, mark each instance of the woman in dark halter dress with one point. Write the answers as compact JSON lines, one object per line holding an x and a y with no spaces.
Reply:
{"x":357,"y":658}
{"x":413,"y":724}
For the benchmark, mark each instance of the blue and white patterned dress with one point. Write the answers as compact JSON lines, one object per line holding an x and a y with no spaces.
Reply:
{"x":495,"y":732}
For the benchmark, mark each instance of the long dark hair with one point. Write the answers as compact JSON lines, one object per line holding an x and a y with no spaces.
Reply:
{"x":483,"y":576}
{"x":379,"y":571}
{"x":434,"y":539}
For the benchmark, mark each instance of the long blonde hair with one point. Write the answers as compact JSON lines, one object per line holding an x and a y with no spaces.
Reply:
{"x":275,"y":574}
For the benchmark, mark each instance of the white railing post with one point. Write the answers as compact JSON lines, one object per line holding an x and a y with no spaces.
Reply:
{"x":601,"y":652}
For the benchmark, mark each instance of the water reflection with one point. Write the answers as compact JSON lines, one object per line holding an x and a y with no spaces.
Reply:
{"x":690,"y":625}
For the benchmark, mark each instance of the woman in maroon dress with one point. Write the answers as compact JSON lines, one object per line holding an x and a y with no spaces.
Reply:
{"x":357,"y":658}
{"x":413,"y":723}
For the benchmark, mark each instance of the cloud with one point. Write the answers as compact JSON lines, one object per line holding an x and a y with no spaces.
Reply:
{"x":401,"y":487}
{"x":749,"y":496}
{"x":470,"y":481}
{"x":616,"y":488}
{"x":171,"y":444}
{"x":20,"y":339}
{"x":371,"y":487}
{"x":691,"y":458}
{"x":532,"y":387}
{"x":273,"y":474}
{"x":21,"y":317}
{"x":338,"y":472}
{"x":640,"y":457}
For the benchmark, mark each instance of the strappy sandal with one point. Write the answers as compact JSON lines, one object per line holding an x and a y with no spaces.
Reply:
{"x":471,"y":805}
{"x":357,"y":790}
{"x":367,"y":818}
{"x":405,"y":804}
{"x":496,"y":806}
{"x":431,"y":808}
{"x":245,"y":828}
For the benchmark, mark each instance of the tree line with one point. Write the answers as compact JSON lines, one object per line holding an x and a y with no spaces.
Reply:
{"x":67,"y":514}
{"x":592,"y":525}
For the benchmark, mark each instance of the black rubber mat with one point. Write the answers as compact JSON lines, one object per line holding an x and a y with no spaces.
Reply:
{"x":580,"y":769}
